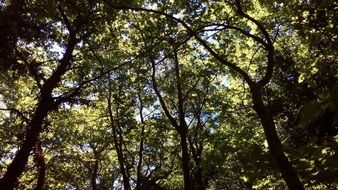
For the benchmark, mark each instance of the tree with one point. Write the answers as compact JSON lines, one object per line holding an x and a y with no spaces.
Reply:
{"x":72,"y":33}
{"x":168,"y":95}
{"x":275,"y":146}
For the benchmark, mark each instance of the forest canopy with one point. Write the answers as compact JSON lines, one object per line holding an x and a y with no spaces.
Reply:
{"x":168,"y":95}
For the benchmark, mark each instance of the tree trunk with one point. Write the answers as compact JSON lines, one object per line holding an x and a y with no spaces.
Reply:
{"x":141,"y":147}
{"x":185,"y":162}
{"x":117,"y":138}
{"x":45,"y":104}
{"x":94,"y":174}
{"x":198,"y":175}
{"x":288,"y":172}
{"x":19,"y":162}
{"x":123,"y":168}
{"x":196,"y":150}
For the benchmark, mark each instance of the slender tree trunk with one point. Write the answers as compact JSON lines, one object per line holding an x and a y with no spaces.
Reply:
{"x":120,"y":157}
{"x":183,"y":128}
{"x":288,"y":172}
{"x":140,"y":152}
{"x":123,"y":166}
{"x":185,"y":162}
{"x":118,"y":145}
{"x":140,"y":155}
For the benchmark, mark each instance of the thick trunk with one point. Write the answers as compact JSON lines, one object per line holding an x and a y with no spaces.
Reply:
{"x":94,"y":175}
{"x":288,"y":172}
{"x":185,"y":162}
{"x":196,"y":150}
{"x":19,"y":162}
{"x":45,"y":104}
{"x":198,"y":176}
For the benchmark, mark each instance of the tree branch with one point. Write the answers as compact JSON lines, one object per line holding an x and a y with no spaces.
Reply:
{"x":258,"y":24}
{"x":269,"y":46}
{"x":193,"y":33}
{"x":162,"y":102}
{"x":246,"y":33}
{"x":17,"y":112}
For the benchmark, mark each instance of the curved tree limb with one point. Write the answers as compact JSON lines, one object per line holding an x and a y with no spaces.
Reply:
{"x":191,"y":31}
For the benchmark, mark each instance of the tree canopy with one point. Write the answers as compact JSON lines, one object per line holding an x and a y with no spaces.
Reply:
{"x":168,"y":95}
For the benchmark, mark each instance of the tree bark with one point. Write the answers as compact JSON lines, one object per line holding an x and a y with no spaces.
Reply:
{"x":140,"y":152}
{"x":94,"y":174}
{"x":198,"y":172}
{"x":185,"y":162}
{"x":19,"y":162}
{"x":288,"y":172}
{"x":117,"y":138}
{"x":183,"y":128}
{"x":198,"y":176}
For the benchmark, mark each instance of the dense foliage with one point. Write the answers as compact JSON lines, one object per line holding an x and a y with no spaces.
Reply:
{"x":166,"y":95}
